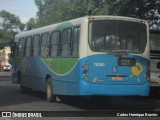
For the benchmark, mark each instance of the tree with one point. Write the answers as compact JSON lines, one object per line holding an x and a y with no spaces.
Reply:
{"x":31,"y":24}
{"x":53,"y":11}
{"x":143,"y":9}
{"x":5,"y":38}
{"x":10,"y":22}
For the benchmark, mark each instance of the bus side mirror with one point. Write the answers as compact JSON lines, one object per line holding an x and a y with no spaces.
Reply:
{"x":158,"y":65}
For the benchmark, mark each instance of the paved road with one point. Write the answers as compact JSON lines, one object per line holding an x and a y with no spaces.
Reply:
{"x":12,"y":100}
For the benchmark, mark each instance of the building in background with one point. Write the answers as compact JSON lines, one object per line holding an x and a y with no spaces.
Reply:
{"x":4,"y":57}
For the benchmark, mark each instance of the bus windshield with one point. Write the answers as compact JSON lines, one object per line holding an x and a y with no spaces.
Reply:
{"x":117,"y":36}
{"x":154,"y":41}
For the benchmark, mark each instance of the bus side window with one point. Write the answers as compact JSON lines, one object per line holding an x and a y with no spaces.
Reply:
{"x":28,"y":46}
{"x":75,"y":42}
{"x":45,"y":45}
{"x":21,"y":47}
{"x":36,"y":45}
{"x":55,"y":44}
{"x":66,"y":43}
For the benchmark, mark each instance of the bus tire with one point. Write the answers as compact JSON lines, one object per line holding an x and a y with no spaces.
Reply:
{"x":49,"y":91}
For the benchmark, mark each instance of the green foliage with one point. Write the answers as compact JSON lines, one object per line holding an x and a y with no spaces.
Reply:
{"x":54,"y":11}
{"x":135,"y":8}
{"x":10,"y":21}
{"x":5,"y":38}
{"x":31,"y":24}
{"x":143,"y":9}
{"x":10,"y":24}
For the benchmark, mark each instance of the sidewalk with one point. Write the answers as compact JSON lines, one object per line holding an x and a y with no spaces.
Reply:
{"x":5,"y":74}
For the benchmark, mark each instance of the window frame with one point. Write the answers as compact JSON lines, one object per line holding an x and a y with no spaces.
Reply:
{"x":68,"y":43}
{"x":41,"y":45}
{"x":22,"y":52}
{"x":78,"y":36}
{"x":31,"y":47}
{"x":58,"y":51}
{"x":38,"y":46}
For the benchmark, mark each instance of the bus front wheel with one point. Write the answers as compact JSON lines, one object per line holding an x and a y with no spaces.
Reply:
{"x":49,"y":91}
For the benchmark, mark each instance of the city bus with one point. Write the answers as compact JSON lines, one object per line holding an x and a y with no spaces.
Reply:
{"x":87,"y":56}
{"x":155,"y":58}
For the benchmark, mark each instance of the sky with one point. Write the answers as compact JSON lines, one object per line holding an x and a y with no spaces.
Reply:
{"x":25,"y":9}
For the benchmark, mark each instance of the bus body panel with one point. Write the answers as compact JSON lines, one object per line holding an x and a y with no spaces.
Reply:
{"x":34,"y":71}
{"x":101,"y":78}
{"x":104,"y":69}
{"x":76,"y":85}
{"x":114,"y":90}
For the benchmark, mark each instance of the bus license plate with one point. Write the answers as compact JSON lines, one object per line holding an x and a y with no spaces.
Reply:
{"x":117,"y":78}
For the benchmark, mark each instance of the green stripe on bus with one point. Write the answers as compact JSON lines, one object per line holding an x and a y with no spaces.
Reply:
{"x":60,"y":65}
{"x":64,"y":25}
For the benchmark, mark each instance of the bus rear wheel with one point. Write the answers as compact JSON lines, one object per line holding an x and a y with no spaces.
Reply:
{"x":49,"y":91}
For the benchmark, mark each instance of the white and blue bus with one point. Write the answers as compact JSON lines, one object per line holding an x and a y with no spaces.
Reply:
{"x":92,"y":55}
